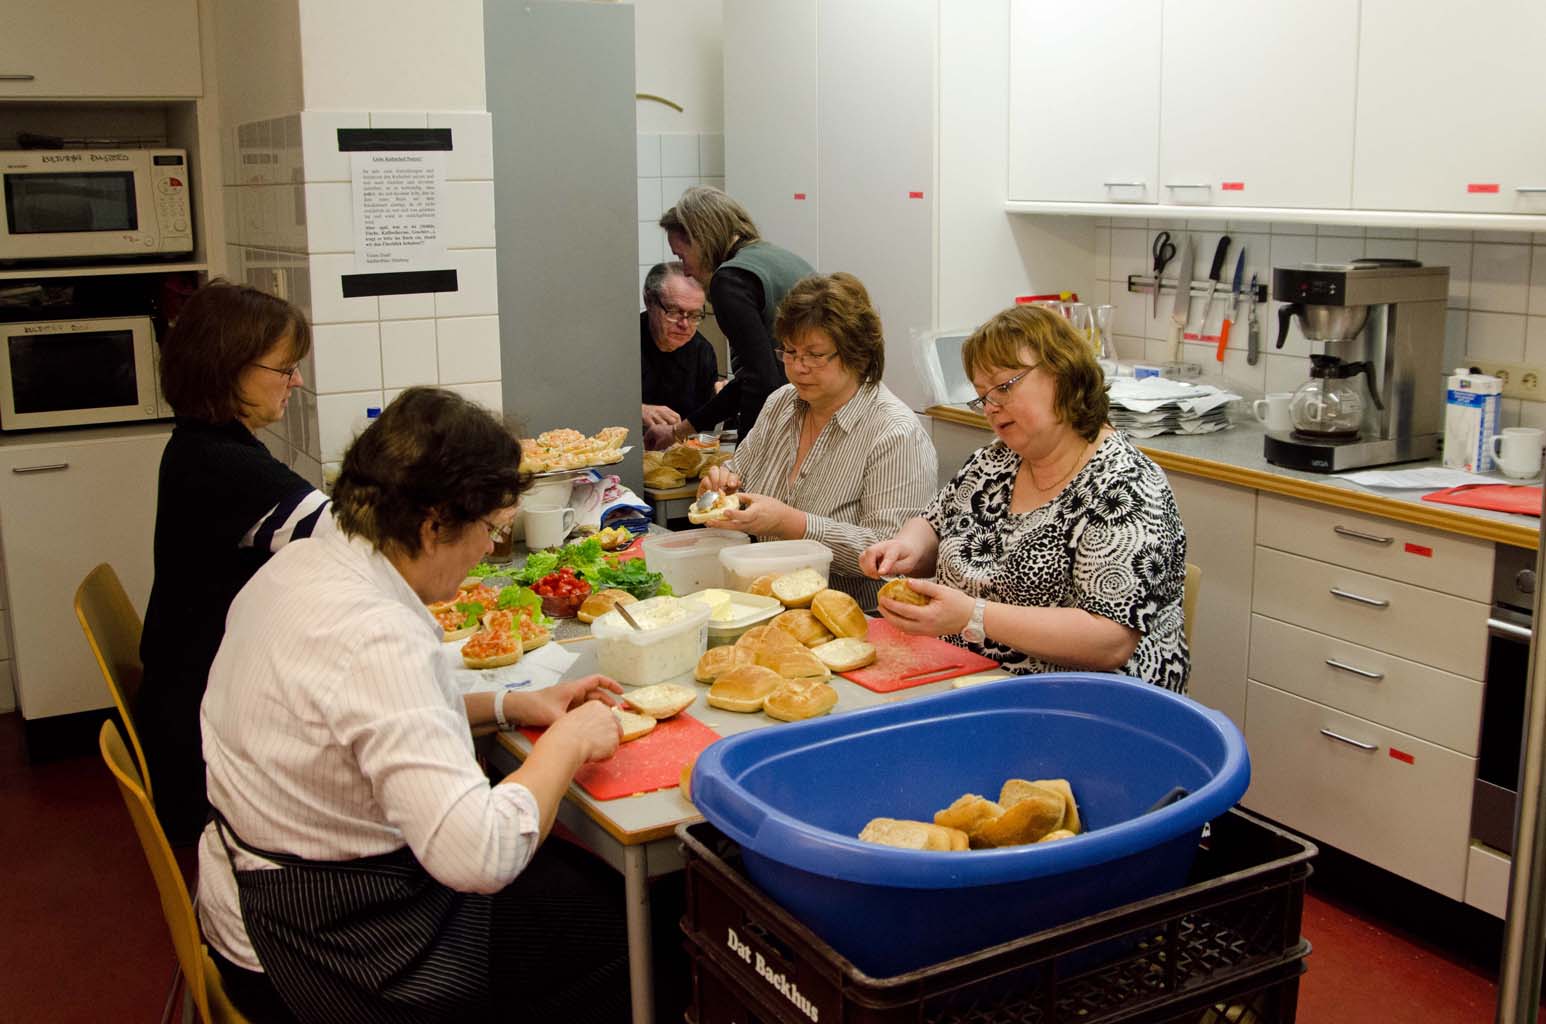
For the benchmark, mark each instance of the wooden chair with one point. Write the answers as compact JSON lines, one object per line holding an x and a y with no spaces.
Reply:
{"x":198,"y":970}
{"x":1189,"y":600}
{"x":112,"y":628}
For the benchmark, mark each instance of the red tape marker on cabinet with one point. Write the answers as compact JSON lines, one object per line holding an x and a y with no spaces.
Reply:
{"x":1403,"y":756}
{"x":1418,"y":549}
{"x":1486,"y":188}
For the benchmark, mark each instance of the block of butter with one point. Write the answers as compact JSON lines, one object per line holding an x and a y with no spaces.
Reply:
{"x":720,"y":602}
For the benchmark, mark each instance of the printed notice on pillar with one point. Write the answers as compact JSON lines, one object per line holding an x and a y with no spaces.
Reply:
{"x":399,"y":211}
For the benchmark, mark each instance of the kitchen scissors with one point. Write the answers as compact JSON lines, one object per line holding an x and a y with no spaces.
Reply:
{"x":1164,"y":252}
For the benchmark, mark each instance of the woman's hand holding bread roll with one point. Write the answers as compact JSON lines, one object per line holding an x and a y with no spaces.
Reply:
{"x":945,"y":610}
{"x":719,"y":478}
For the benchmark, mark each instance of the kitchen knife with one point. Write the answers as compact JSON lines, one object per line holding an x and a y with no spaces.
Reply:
{"x":1253,"y":338}
{"x":1215,"y":271}
{"x":1183,"y":306}
{"x":1234,"y":300}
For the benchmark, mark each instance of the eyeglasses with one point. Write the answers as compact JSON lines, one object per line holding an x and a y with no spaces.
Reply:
{"x":809,"y":360}
{"x":998,"y":394}
{"x":681,"y":316}
{"x":286,"y":373}
{"x":497,"y":533}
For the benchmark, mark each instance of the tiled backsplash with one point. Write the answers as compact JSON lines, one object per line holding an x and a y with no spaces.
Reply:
{"x":1497,"y":294}
{"x":288,"y":216}
{"x":670,"y":163}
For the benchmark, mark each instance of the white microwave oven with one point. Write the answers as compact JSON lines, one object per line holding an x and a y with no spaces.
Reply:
{"x":74,"y":205}
{"x":70,"y":373}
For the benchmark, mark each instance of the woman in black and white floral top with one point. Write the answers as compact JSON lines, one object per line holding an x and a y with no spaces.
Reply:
{"x":1059,"y":545}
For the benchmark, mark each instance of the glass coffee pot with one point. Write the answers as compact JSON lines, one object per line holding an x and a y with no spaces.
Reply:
{"x":1330,"y":404}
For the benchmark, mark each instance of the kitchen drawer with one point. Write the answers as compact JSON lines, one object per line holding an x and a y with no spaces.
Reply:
{"x":1404,"y":804}
{"x":1437,"y":706}
{"x":1420,"y":625}
{"x":1446,"y":562}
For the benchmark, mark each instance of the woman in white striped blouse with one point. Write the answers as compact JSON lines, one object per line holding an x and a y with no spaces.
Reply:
{"x":835,"y":456}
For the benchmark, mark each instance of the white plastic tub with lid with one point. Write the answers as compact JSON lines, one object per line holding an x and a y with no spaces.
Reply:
{"x":689,"y":560}
{"x":744,"y":565}
{"x":674,"y":636}
{"x":732,"y":613}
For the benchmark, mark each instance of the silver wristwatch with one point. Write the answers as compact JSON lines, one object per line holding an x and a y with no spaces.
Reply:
{"x":973,"y":632}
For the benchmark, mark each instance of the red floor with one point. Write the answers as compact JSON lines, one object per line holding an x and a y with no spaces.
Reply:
{"x":82,"y":937}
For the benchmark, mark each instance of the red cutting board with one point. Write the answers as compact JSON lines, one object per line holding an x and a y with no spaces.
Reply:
{"x":653,"y":761}
{"x":903,"y":660}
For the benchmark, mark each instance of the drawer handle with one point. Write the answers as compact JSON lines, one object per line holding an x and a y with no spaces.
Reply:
{"x":1356,"y":535}
{"x":1188,"y":185}
{"x":1517,"y":188}
{"x":1372,"y":602}
{"x":17,"y":78}
{"x":51,"y":467}
{"x":1360,"y":744}
{"x":1498,"y":627}
{"x":1126,"y":184}
{"x":1345,"y":667}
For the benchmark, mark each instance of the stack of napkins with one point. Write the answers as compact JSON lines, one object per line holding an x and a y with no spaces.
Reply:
{"x":1156,"y":405}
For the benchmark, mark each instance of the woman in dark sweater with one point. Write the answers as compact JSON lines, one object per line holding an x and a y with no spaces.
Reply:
{"x":746,"y":278}
{"x":223,"y":506}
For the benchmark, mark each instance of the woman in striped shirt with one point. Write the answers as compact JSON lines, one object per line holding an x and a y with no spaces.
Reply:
{"x":835,"y":456}
{"x":224,"y":505}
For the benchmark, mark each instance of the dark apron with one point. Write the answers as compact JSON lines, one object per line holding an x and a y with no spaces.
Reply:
{"x":367,"y":940}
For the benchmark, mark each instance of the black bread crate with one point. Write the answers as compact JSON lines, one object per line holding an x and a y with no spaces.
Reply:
{"x":1223,"y":948}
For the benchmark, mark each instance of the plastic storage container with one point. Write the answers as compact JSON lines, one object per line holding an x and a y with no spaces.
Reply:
{"x":744,"y":565}
{"x":747,"y":610}
{"x":1230,"y":938}
{"x":654,"y":654}
{"x":796,"y":797}
{"x":689,"y":560}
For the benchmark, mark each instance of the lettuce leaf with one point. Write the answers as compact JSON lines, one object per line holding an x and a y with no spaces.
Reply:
{"x":633,"y":576}
{"x":471,"y":611}
{"x":482,"y":569}
{"x":518,"y":597}
{"x":538,"y":564}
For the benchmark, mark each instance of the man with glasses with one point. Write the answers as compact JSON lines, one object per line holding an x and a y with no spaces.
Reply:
{"x":677,"y":364}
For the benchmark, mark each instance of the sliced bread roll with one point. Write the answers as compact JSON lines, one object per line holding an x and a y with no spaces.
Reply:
{"x":661,"y":700}
{"x":601,"y":602}
{"x":1057,"y":833}
{"x":1071,"y":820}
{"x":900,"y":592}
{"x":798,"y":589}
{"x":840,"y":613}
{"x":912,"y":835}
{"x":845,"y":654}
{"x":967,"y":812}
{"x":716,"y":661}
{"x":762,"y":586}
{"x":633,"y":725}
{"x":684,"y":779}
{"x":663,"y":478}
{"x":799,"y":663}
{"x":1025,"y":821}
{"x":803,"y":625}
{"x":744,"y":689}
{"x":726,"y":503}
{"x":798,"y":699}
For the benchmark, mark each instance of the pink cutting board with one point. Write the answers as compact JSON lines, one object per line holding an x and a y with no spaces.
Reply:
{"x":903,"y":660}
{"x":653,"y":761}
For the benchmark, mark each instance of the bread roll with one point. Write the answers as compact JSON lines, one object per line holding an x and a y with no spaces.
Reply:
{"x":798,"y":663}
{"x":1027,"y":820}
{"x":762,"y":586}
{"x":682,"y":458}
{"x":716,"y":661}
{"x":845,"y":654}
{"x":900,"y":592}
{"x":967,"y":812}
{"x":661,"y":700}
{"x":799,"y":699}
{"x":1057,"y":833}
{"x":1070,"y":809}
{"x":633,"y":725}
{"x":751,"y":640}
{"x":726,"y":503}
{"x":803,"y":625}
{"x":601,"y":602}
{"x":840,"y":613}
{"x":684,"y":780}
{"x":663,"y":478}
{"x":797,"y":589}
{"x":912,"y":835}
{"x":534,"y":637}
{"x":773,"y":642}
{"x":744,"y":689}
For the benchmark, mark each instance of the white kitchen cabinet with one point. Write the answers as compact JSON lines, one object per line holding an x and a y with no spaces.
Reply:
{"x":100,"y":48}
{"x":65,"y":507}
{"x":772,"y":138}
{"x":1257,"y":103}
{"x":1220,"y":522}
{"x":1084,"y":92}
{"x":1451,"y":105}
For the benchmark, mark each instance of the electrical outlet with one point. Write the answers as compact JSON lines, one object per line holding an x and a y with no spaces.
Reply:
{"x":1523,"y":382}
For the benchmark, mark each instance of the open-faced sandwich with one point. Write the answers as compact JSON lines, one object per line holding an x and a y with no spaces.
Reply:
{"x":725,"y":503}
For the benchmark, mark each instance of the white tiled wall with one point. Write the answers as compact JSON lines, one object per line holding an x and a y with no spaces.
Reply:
{"x":288,"y":204}
{"x":669,"y":163}
{"x":1497,"y":294}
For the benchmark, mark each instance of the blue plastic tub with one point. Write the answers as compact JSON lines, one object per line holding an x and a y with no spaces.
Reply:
{"x":795,"y":797}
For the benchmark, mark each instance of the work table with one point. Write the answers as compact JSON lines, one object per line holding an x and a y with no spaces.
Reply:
{"x":1234,"y":456}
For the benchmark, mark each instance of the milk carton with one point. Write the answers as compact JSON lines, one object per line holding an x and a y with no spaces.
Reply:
{"x":1472,"y":402}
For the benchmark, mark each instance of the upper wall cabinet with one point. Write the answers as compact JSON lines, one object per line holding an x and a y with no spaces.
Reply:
{"x":1451,"y":107}
{"x":99,"y":48}
{"x":1257,"y":103}
{"x":1084,"y":101}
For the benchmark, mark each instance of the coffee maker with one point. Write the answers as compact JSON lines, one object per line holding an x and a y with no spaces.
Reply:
{"x":1376,"y":393}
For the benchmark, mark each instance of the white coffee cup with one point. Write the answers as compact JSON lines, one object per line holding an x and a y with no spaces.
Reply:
{"x":547,"y":526}
{"x":1273,"y":412}
{"x":1518,"y":451}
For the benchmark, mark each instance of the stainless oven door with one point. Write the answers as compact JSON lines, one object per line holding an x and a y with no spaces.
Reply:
{"x":1503,"y":707}
{"x":77,"y":372}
